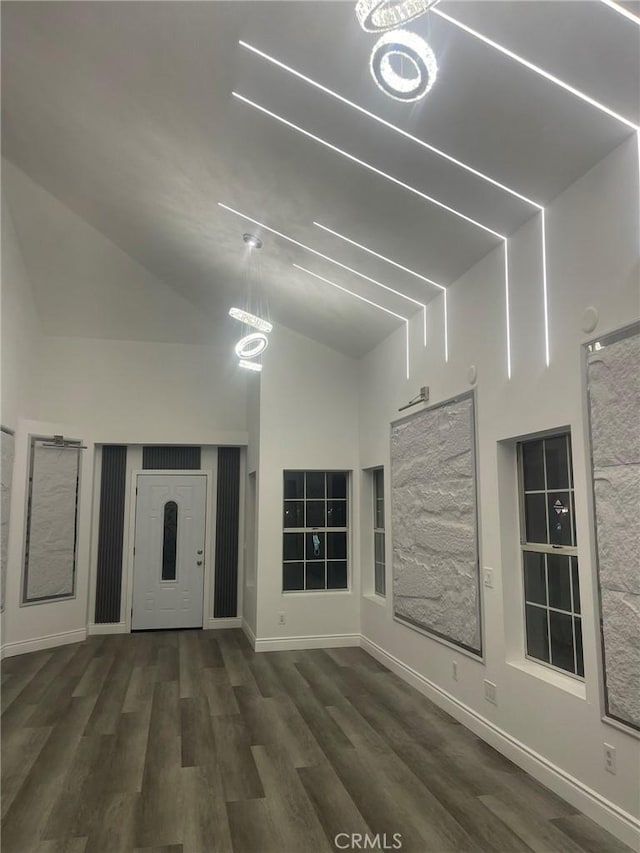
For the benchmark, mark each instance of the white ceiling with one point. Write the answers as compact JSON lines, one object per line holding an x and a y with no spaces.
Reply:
{"x":124,"y":112}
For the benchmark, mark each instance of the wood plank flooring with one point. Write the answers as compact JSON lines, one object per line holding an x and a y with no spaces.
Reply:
{"x":188,"y":742}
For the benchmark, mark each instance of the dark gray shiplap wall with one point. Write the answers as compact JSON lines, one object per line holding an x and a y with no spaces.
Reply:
{"x":227,"y":520}
{"x":110,"y":533}
{"x":170,"y":457}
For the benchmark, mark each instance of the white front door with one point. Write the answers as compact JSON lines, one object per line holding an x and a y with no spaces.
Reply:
{"x":169,"y":554}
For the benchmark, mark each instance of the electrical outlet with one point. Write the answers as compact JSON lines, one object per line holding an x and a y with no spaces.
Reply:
{"x":490,"y":692}
{"x":281,"y":618}
{"x":488,"y":578}
{"x":610,"y":758}
{"x":454,"y":668}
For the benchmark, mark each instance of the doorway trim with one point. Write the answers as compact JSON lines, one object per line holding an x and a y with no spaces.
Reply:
{"x":209,"y":536}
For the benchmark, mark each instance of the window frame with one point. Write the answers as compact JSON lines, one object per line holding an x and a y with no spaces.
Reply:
{"x":569,"y":551}
{"x":304,"y":530}
{"x":377,"y":531}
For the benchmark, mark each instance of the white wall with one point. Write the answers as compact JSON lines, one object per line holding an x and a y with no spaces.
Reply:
{"x":21,"y":357}
{"x":143,"y":392}
{"x":308,"y":420}
{"x":592,"y":245}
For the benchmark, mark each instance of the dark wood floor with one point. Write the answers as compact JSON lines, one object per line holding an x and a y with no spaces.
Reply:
{"x":189,"y":742}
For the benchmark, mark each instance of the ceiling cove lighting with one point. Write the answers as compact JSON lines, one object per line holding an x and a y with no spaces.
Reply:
{"x":376,"y":15}
{"x":363,"y":299}
{"x":250,"y":365}
{"x":400,"y":267}
{"x":368,"y":166}
{"x":412,"y":50}
{"x":333,"y":261}
{"x":536,"y":68}
{"x":251,"y":320}
{"x":622,"y":11}
{"x":251,"y":346}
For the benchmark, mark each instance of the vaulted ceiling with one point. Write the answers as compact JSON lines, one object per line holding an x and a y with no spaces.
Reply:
{"x":125,"y":112}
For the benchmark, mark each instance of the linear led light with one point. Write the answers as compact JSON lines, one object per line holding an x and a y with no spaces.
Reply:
{"x":438,"y":151}
{"x":400,"y":267}
{"x":368,"y":166}
{"x":543,"y":225}
{"x":378,"y":255}
{"x":363,"y":299}
{"x":446,"y":328}
{"x":536,"y":68}
{"x":251,"y":320}
{"x":332,"y":261}
{"x":507,"y":308}
{"x":250,"y":365}
{"x":622,"y":11}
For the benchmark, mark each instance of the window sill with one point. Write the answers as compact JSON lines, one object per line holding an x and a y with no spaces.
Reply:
{"x":380,"y":600}
{"x":555,"y":679}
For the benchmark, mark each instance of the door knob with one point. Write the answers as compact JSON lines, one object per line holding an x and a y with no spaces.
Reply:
{"x":200,"y":551}
{"x":199,"y":563}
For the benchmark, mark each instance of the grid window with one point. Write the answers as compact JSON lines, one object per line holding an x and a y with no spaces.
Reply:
{"x":378,"y":532}
{"x":550,"y":564}
{"x":315,"y":535}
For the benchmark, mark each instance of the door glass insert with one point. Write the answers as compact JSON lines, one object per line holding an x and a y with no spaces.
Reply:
{"x":170,"y":541}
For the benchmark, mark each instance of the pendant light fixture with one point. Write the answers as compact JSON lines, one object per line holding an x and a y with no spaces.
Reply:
{"x":253,"y":343}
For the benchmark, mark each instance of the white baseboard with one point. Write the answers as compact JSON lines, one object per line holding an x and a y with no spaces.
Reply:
{"x":249,"y":634}
{"x":620,"y":823}
{"x":108,"y":628}
{"x":231,"y":622}
{"x":320,"y":641}
{"x":37,"y":644}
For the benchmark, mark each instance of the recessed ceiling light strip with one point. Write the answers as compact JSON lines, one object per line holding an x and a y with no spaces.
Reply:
{"x":536,"y":68}
{"x":400,"y":267}
{"x":622,"y":11}
{"x":378,"y":255}
{"x":507,"y":307}
{"x":446,"y":327}
{"x":363,"y":299}
{"x":543,"y":225}
{"x":332,"y":261}
{"x":388,"y":124}
{"x":368,"y":166}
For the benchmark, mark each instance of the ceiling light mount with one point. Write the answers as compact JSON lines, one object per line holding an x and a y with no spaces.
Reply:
{"x":252,"y":241}
{"x":412,"y":51}
{"x":379,"y":15}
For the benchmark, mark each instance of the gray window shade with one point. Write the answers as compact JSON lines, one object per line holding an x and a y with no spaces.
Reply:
{"x":50,"y":547}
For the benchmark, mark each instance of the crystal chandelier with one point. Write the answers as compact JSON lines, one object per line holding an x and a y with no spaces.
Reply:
{"x":252,"y":345}
{"x":412,"y":50}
